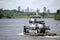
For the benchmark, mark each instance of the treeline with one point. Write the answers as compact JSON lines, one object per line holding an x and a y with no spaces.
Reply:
{"x":14,"y":14}
{"x":57,"y":16}
{"x":10,"y":13}
{"x":21,"y":14}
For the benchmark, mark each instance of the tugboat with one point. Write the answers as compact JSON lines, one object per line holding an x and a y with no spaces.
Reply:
{"x":37,"y":28}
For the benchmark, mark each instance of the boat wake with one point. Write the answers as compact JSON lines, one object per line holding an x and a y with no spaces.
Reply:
{"x":22,"y":34}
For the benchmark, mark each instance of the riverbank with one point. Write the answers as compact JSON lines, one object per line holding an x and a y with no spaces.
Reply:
{"x":57,"y":17}
{"x":27,"y":17}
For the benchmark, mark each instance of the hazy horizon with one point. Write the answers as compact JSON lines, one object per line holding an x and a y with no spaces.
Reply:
{"x":53,"y":5}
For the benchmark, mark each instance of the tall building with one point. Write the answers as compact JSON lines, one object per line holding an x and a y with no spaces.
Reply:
{"x":44,"y":9}
{"x":31,"y":10}
{"x":48,"y":11}
{"x":19,"y":8}
{"x":27,"y":9}
{"x":37,"y":10}
{"x":22,"y":10}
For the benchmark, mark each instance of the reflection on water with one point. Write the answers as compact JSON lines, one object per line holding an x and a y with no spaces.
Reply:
{"x":9,"y":28}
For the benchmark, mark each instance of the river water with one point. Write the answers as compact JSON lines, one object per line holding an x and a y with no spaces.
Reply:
{"x":9,"y":28}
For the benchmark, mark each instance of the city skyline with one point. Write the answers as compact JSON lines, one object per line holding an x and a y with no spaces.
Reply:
{"x":53,"y":5}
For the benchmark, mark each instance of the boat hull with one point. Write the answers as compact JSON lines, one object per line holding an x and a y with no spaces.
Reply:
{"x":41,"y":34}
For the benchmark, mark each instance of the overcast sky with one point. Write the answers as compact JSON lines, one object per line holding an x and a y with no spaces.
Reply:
{"x":53,"y":5}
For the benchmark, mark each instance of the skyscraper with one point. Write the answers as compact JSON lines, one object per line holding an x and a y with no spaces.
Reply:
{"x":44,"y":9}
{"x":48,"y":11}
{"x":27,"y":9}
{"x":37,"y":10}
{"x":18,"y":8}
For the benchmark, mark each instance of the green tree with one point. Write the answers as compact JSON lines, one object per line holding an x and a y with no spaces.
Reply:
{"x":57,"y":16}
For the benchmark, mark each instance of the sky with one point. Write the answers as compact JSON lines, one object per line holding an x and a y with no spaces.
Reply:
{"x":53,"y":5}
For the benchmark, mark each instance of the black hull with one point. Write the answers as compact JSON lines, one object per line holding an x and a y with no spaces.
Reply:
{"x":41,"y":34}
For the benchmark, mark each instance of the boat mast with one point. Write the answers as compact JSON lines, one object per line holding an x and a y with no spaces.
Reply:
{"x":37,"y":14}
